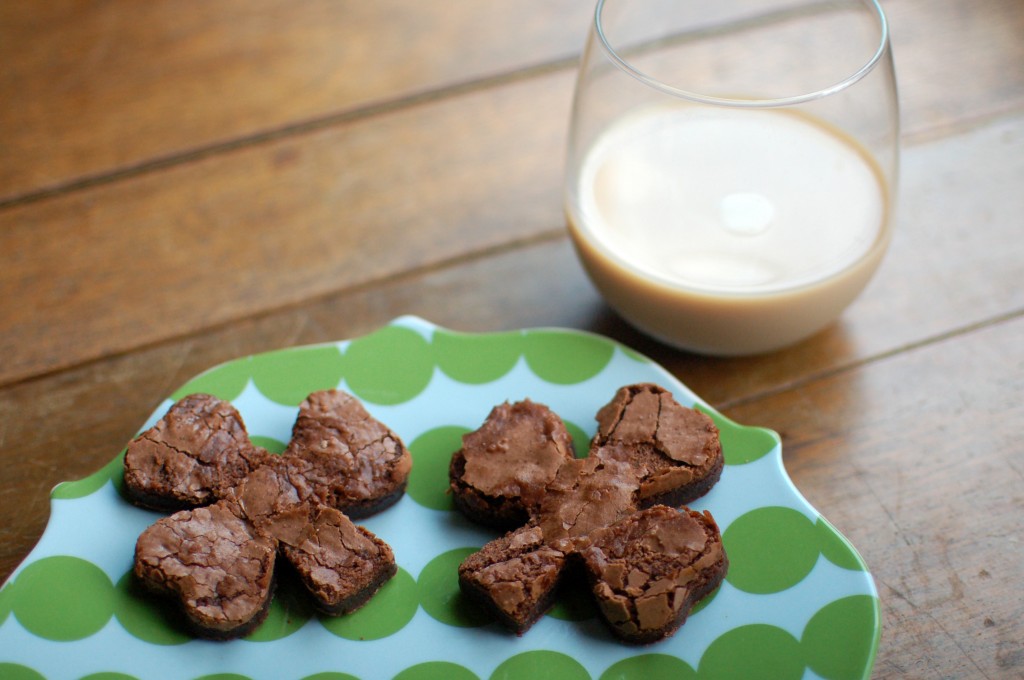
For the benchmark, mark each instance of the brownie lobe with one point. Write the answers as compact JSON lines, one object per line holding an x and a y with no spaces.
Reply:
{"x":500,"y":473}
{"x":191,"y":457}
{"x":221,"y":569}
{"x":651,"y":567}
{"x":346,"y":458}
{"x":518,"y":450}
{"x":675,"y":450}
{"x":341,"y":564}
{"x":514,"y":577}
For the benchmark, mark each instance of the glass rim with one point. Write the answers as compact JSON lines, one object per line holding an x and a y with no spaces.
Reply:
{"x":624,"y":64}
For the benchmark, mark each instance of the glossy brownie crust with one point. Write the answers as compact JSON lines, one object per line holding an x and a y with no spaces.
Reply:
{"x":500,"y":473}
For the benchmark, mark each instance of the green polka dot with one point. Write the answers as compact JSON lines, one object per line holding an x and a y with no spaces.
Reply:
{"x":476,"y":359}
{"x":754,"y":651}
{"x":741,"y":444}
{"x":288,"y":376}
{"x":439,"y":592}
{"x":647,"y":666}
{"x":14,"y":671}
{"x":225,"y":381}
{"x":431,"y":453}
{"x":112,"y":472}
{"x":580,"y":439}
{"x":387,"y":612}
{"x":330,"y":675}
{"x":146,"y":617}
{"x":575,"y":602}
{"x":540,"y":663}
{"x":566,"y":358}
{"x":839,"y":641}
{"x":289,"y":611}
{"x":390,"y":366}
{"x":108,"y":675}
{"x":836,"y":548}
{"x":269,"y":443}
{"x":770,"y":549}
{"x":437,"y":670}
{"x":63,"y":598}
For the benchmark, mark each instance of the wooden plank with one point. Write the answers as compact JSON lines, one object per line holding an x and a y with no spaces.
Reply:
{"x":94,"y":87}
{"x":263,"y":227}
{"x":921,"y":474}
{"x":917,"y":459}
{"x":119,"y":267}
{"x":956,"y":62}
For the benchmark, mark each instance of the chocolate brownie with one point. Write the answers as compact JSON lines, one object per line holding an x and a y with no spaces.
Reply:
{"x":675,"y":449}
{"x":501,"y":470}
{"x":585,"y":495}
{"x":219,"y":560}
{"x":269,"y":500}
{"x":191,"y":457}
{"x":649,"y":569}
{"x":346,"y":458}
{"x":342,"y":565}
{"x":514,"y":577}
{"x":220,"y":569}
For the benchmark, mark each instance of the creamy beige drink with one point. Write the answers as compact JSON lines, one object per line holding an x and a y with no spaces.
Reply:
{"x":727,"y":231}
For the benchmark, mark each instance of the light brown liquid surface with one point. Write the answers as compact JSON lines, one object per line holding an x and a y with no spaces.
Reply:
{"x":727,"y":232}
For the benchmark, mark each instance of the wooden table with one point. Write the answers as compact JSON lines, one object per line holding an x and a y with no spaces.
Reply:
{"x":185,"y":183}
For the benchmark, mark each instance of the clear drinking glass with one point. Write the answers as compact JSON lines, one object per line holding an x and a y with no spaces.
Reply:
{"x":732,"y":165}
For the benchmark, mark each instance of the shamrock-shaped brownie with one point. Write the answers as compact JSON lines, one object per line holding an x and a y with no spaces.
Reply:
{"x":613,"y":515}
{"x":240,"y":507}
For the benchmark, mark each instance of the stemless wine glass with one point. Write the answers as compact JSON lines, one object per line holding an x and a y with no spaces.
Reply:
{"x":732,"y":165}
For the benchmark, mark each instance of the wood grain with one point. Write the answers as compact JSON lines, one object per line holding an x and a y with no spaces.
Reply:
{"x":957,"y":63}
{"x":958,"y":198}
{"x":94,"y":88}
{"x":257,"y":228}
{"x":933,"y":503}
{"x":917,"y":459}
{"x":182,"y":184}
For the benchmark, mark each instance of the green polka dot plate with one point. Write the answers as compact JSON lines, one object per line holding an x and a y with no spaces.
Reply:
{"x":798,"y":601}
